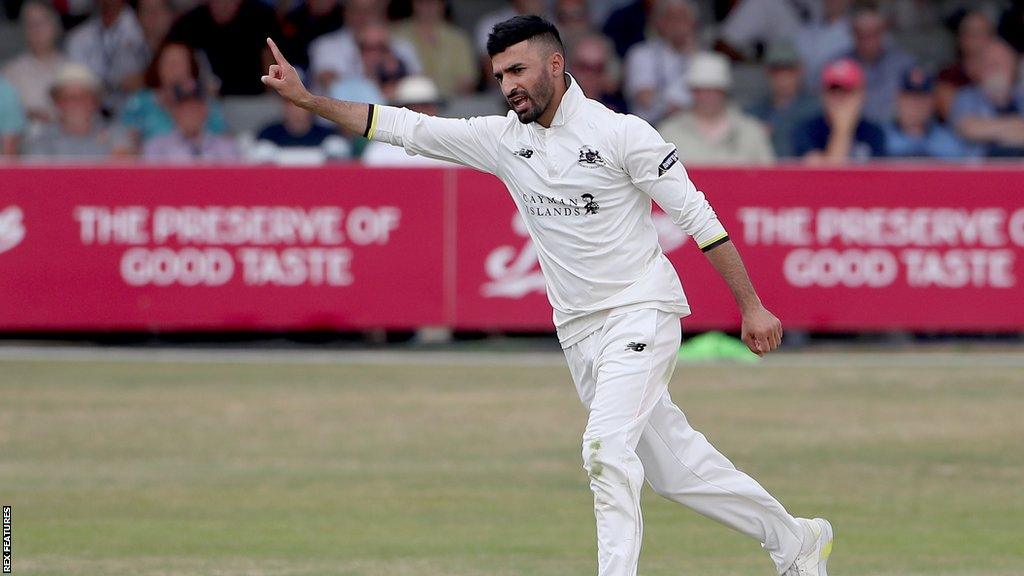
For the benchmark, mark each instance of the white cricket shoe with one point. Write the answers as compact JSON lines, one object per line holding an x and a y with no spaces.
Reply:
{"x":815,"y":550}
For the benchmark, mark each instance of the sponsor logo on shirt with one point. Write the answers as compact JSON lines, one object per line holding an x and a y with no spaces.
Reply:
{"x":668,"y":162}
{"x":540,"y":205}
{"x":590,"y":158}
{"x":636,"y":346}
{"x":524,"y":152}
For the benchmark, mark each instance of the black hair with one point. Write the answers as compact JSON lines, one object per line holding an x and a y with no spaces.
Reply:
{"x":520,"y":28}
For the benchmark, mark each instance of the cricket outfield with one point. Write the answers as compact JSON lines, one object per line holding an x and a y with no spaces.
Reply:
{"x":422,"y":466}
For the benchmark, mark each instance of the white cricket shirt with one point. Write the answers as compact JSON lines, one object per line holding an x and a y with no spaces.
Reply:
{"x":584,"y":188}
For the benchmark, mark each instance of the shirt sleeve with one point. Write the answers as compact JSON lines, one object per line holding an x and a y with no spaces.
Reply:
{"x":653,"y":166}
{"x":471,"y":142}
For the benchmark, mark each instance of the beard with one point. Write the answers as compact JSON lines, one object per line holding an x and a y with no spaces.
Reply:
{"x":538,"y":101}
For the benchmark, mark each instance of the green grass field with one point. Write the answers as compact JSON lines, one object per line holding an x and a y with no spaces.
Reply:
{"x":423,"y":470}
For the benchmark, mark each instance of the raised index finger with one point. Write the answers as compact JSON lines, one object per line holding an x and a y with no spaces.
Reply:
{"x":277,"y":53}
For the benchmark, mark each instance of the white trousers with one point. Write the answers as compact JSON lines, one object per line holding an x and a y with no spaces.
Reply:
{"x":634,"y":432}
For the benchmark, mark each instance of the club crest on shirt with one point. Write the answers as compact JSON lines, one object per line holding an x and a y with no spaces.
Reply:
{"x":590,"y":158}
{"x":668,"y":162}
{"x":591,"y":205}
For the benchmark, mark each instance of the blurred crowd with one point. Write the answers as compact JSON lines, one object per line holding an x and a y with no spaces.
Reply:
{"x":727,"y":81}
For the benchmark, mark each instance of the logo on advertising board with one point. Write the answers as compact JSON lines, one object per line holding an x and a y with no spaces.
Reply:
{"x":12,"y":228}
{"x":514,"y":273}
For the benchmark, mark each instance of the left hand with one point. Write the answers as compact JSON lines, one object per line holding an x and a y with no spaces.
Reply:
{"x":761,"y":331}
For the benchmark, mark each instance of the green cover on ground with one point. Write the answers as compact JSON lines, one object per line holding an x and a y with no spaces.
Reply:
{"x":712,"y":346}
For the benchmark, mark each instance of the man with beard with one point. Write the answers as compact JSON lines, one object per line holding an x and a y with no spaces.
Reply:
{"x":617,"y":299}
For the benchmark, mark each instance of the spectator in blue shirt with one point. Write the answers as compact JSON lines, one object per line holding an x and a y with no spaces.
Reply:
{"x":12,"y":119}
{"x":788,"y":104}
{"x":914,"y":132}
{"x":840,"y":134}
{"x":147,"y":113}
{"x":296,"y":129}
{"x":989,"y":114}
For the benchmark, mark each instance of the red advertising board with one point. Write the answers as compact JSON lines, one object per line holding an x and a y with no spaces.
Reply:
{"x":223,"y":249}
{"x":352,"y":248}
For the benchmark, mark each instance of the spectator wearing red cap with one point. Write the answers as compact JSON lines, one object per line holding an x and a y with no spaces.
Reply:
{"x":840,"y":134}
{"x":915,"y":132}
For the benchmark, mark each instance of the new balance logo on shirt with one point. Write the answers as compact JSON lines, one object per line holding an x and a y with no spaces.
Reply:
{"x":636,"y":346}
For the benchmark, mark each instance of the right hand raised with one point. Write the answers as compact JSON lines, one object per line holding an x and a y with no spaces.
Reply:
{"x":283,"y":78}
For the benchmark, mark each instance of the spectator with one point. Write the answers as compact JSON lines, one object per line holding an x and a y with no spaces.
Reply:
{"x":788,"y":105}
{"x":1011,"y":25}
{"x":840,"y":134}
{"x":32,"y":72}
{"x":296,"y":129}
{"x":573,"y":20}
{"x":111,"y":44}
{"x":379,"y":63}
{"x":595,"y":67}
{"x":915,"y":133}
{"x":12,"y":119}
{"x":627,"y":26}
{"x":419,"y":94}
{"x":751,"y":23}
{"x":883,"y":64}
{"x":190,"y":141}
{"x":655,"y":82}
{"x":155,"y":18}
{"x":714,"y":132}
{"x":990,"y":113}
{"x":79,"y":132}
{"x":486,"y":24}
{"x":147,"y":113}
{"x":975,"y":30}
{"x":307,"y":22}
{"x":514,"y":7}
{"x":823,"y":40}
{"x":445,"y":51}
{"x":233,"y":36}
{"x":337,"y":55}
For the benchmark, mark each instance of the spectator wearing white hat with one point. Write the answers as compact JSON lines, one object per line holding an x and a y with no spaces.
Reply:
{"x":714,"y":131}
{"x":79,"y":133}
{"x":419,"y":94}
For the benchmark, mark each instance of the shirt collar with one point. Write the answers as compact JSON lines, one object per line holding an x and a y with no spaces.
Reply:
{"x":571,"y":102}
